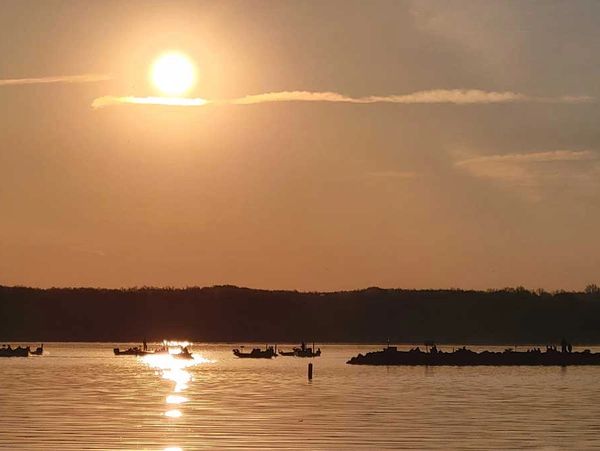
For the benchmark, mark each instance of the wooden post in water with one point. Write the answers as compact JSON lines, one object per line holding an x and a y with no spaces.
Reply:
{"x":310,"y":366}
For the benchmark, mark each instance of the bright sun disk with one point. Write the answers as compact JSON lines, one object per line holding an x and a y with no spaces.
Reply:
{"x":173,"y":73}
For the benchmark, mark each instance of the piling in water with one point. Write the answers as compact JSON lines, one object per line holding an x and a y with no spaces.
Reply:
{"x":310,"y":366}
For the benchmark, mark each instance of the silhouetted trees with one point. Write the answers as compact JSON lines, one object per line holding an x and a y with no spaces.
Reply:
{"x":229,"y":313}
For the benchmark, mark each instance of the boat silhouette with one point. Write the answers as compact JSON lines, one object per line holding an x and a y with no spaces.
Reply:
{"x":38,"y":351}
{"x":132,"y":351}
{"x":185,"y":354}
{"x":256,"y":353}
{"x":164,"y":349}
{"x":302,"y":351}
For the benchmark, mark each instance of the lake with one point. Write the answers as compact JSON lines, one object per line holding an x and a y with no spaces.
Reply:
{"x":81,"y":396}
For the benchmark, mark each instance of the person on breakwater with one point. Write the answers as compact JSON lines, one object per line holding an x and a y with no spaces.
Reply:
{"x":566,"y":346}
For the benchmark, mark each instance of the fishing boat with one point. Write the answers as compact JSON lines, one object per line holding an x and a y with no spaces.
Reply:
{"x":164,"y":349}
{"x":256,"y":353}
{"x":185,"y":354}
{"x":302,"y":351}
{"x":308,"y":352}
{"x":132,"y":351}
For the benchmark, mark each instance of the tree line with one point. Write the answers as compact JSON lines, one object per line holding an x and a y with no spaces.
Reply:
{"x":234,"y":314}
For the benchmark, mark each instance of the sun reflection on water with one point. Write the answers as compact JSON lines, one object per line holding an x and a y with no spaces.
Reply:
{"x":175,"y":343}
{"x":176,"y":399}
{"x":173,"y":413}
{"x":171,"y":361}
{"x":179,"y":376}
{"x":170,"y":366}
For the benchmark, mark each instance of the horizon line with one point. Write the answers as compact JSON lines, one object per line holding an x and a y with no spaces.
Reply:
{"x":518,"y":288}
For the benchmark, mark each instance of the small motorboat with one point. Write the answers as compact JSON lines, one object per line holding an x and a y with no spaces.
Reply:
{"x":302,"y":351}
{"x":184,"y":354}
{"x":256,"y":353}
{"x":308,"y":352}
{"x":132,"y":351}
{"x":38,"y":351}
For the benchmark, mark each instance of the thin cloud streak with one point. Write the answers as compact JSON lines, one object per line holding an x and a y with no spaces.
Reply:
{"x":105,"y":101}
{"x":534,"y":173}
{"x":456,"y":96}
{"x":84,"y":78}
{"x":436,"y":96}
{"x":535,"y":157}
{"x":453,"y":96}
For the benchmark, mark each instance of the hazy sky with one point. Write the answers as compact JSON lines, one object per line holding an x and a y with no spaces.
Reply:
{"x":414,"y":190}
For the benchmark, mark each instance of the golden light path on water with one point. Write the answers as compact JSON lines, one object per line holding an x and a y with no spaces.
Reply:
{"x":173,"y":413}
{"x":82,"y":396}
{"x":170,"y":366}
{"x":176,"y":399}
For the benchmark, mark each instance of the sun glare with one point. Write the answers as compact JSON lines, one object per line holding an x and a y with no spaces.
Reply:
{"x":173,"y":74}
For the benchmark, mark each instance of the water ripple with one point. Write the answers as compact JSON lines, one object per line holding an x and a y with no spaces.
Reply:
{"x":81,"y":396}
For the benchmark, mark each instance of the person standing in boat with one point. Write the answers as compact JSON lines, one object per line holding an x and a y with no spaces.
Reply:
{"x":145,"y":345}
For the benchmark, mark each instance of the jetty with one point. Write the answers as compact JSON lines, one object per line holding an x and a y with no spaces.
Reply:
{"x":20,"y":351}
{"x":465,"y":357}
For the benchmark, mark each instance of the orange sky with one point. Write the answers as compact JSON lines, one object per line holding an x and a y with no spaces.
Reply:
{"x":302,"y":195}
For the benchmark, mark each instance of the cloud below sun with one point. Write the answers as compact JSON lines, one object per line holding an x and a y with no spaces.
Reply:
{"x":435,"y":96}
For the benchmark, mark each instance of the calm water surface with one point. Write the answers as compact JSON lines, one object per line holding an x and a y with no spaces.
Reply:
{"x":81,"y":396}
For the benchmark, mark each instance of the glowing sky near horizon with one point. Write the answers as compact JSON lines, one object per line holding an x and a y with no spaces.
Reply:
{"x":314,"y":146}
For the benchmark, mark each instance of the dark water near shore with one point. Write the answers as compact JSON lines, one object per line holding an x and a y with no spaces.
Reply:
{"x":80,"y":396}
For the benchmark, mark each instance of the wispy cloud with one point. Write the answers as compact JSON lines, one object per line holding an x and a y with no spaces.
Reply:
{"x":436,"y":96}
{"x":531,"y":172}
{"x":84,"y":78}
{"x":105,"y":101}
{"x":458,"y":96}
{"x":455,"y":96}
{"x":535,"y":157}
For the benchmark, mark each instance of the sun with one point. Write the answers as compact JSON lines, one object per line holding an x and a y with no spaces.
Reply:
{"x":173,"y":73}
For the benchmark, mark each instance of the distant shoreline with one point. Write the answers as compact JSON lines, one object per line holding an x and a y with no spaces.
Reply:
{"x":591,"y":289}
{"x":228,"y":314}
